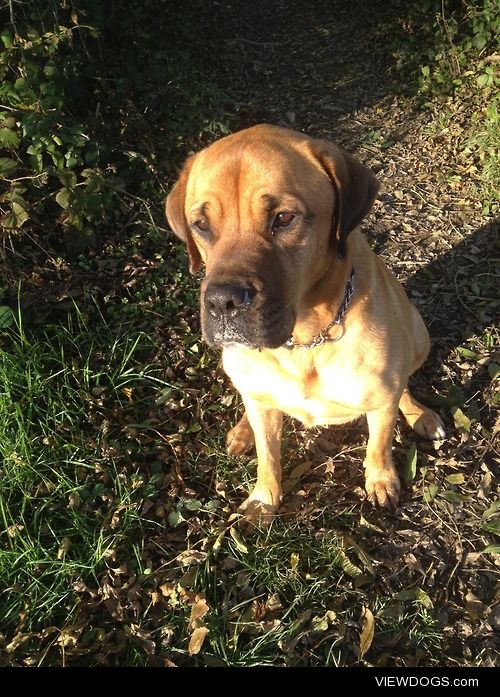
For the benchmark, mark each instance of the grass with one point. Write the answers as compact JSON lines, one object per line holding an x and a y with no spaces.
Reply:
{"x":78,"y":532}
{"x":66,"y":501}
{"x":484,"y":141}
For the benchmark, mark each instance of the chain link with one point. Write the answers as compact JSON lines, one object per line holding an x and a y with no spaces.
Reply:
{"x":323,"y":337}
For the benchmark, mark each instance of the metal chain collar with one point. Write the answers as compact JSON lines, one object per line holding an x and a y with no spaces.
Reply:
{"x":323,"y":337}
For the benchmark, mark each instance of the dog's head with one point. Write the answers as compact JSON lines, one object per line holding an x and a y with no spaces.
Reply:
{"x":268,"y":211}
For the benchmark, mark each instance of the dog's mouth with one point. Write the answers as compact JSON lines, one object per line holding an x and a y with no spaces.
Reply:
{"x":227,"y":334}
{"x":248,"y":331}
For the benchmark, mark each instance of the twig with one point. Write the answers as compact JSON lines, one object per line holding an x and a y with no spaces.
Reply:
{"x":452,"y":47}
{"x":260,"y":44}
{"x":12,"y":20}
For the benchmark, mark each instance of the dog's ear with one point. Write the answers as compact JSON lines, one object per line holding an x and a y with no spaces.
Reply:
{"x":355,"y":189}
{"x":174,"y":209}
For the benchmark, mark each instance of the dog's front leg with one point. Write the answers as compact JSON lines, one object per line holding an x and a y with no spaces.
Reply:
{"x":381,"y":479}
{"x":265,"y":498}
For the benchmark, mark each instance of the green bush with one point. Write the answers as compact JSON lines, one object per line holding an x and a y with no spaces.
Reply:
{"x":81,"y":87}
{"x":54,"y":169}
{"x":465,"y":37}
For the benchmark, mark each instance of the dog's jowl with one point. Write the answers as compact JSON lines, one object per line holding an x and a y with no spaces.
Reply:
{"x":310,"y":321}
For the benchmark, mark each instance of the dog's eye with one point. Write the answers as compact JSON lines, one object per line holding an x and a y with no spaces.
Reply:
{"x":283,"y":219}
{"x":202,"y":225}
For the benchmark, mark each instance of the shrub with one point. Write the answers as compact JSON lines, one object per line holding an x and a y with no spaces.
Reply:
{"x":76,"y":83}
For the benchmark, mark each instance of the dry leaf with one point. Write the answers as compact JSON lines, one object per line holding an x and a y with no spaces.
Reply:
{"x":155,"y":597}
{"x":422,"y":598}
{"x":462,"y":421}
{"x":167,"y":589}
{"x":301,"y":469}
{"x":259,"y":611}
{"x":191,"y":556}
{"x":273,"y":603}
{"x":198,"y":611}
{"x":142,"y":639}
{"x":64,"y":548}
{"x":456,"y":478}
{"x":411,"y":463}
{"x":473,"y":606}
{"x":13,"y":530}
{"x":69,"y":637}
{"x":197,"y":639}
{"x":367,"y":631}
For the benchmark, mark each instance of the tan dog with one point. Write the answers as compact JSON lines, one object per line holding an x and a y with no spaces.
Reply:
{"x":310,"y":320}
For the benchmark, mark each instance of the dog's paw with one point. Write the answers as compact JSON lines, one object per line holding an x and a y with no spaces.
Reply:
{"x":240,"y":439}
{"x":383,"y":488}
{"x":260,"y":507}
{"x":429,"y":425}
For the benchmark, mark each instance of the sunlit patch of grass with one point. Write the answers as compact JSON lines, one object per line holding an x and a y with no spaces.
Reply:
{"x":67,"y":502}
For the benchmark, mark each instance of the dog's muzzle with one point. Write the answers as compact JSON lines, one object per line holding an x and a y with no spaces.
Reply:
{"x":235,"y":313}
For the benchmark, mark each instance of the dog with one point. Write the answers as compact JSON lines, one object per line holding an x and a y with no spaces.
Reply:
{"x":310,"y":321}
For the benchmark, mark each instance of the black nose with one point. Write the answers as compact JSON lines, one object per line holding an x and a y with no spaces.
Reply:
{"x":225,"y":299}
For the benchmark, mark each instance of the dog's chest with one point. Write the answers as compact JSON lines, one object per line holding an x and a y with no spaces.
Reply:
{"x":319,"y":399}
{"x":314,"y":396}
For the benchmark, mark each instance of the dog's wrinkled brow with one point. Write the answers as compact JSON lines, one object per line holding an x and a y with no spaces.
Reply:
{"x":270,"y":202}
{"x":273,"y":203}
{"x":200,"y":209}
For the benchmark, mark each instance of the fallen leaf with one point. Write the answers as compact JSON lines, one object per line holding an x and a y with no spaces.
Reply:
{"x":198,"y":611}
{"x":155,"y":597}
{"x":301,"y":469}
{"x":467,"y":353}
{"x":366,"y":523}
{"x":473,"y":606}
{"x":430,"y":492}
{"x":367,"y":631}
{"x":301,"y":621}
{"x":493,"y":618}
{"x":167,"y":589}
{"x":491,"y":510}
{"x":64,"y":548}
{"x":273,"y":603}
{"x":347,"y":566}
{"x":13,"y":530}
{"x":259,"y":611}
{"x":197,"y":639}
{"x":322,"y":622}
{"x":218,"y":542}
{"x":454,"y":496}
{"x":462,"y":422}
{"x":493,"y":370}
{"x":349,"y":543}
{"x":191,"y":556}
{"x":142,"y":638}
{"x":69,"y":637}
{"x":457,"y":478}
{"x":422,"y":598}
